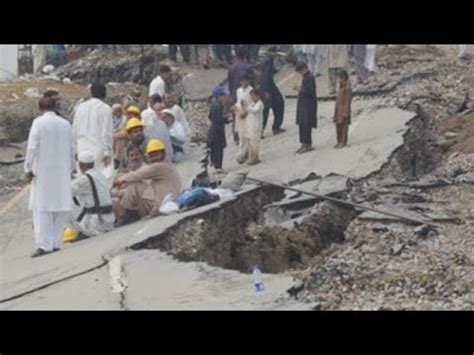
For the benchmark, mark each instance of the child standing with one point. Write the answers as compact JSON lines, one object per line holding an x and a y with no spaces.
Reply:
{"x":342,"y":114}
{"x":243,"y":100}
{"x":216,"y":136}
{"x":253,"y":126}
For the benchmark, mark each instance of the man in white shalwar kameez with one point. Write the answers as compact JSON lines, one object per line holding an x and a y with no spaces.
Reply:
{"x":90,"y":217}
{"x":370,"y":57}
{"x":243,"y":100}
{"x":49,"y":164}
{"x":93,"y":129}
{"x":315,"y":54}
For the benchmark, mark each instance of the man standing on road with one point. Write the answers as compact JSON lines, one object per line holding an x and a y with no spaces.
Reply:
{"x":315,"y":56}
{"x":342,"y":112}
{"x":337,"y":59}
{"x":93,"y":127}
{"x":216,"y":140}
{"x":273,"y":99}
{"x":49,"y":164}
{"x":359,"y":52}
{"x":185,"y":52}
{"x":306,"y":107}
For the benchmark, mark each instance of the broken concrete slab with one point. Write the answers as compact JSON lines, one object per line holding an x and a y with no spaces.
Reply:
{"x":374,"y":216}
{"x":156,"y":281}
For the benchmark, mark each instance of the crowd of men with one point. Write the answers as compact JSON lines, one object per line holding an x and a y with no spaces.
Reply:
{"x":104,"y":170}
{"x":115,"y":165}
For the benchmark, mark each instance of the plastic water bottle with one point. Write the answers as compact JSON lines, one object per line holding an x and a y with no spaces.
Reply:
{"x":258,"y":283}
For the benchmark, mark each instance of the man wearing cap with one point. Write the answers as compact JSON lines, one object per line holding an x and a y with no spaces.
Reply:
{"x":146,"y":187}
{"x":49,"y":163}
{"x":179,"y":115}
{"x":93,"y":127}
{"x":216,"y":136}
{"x":140,"y":135}
{"x":92,"y":211}
{"x":176,"y":130}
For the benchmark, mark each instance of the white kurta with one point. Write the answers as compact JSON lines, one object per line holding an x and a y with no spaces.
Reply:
{"x":370,"y":57}
{"x":91,"y":225}
{"x":50,"y":156}
{"x":254,"y":121}
{"x":180,"y":116}
{"x":149,"y":117}
{"x":178,"y":134}
{"x":242,"y":95}
{"x":157,"y":86}
{"x":93,"y":129}
{"x":337,"y":56}
{"x":315,"y":54}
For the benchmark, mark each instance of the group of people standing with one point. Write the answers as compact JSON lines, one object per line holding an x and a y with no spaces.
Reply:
{"x":250,"y":101}
{"x":125,"y":163}
{"x":126,"y":155}
{"x":246,"y":105}
{"x":336,"y":58}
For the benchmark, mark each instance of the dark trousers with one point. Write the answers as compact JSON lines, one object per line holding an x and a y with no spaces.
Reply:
{"x":185,"y":52}
{"x":305,"y":134}
{"x":277,"y":104}
{"x":223,"y":51}
{"x":217,"y":155}
{"x":342,"y":132}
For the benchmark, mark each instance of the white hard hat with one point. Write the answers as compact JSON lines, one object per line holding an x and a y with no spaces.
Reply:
{"x":86,"y":157}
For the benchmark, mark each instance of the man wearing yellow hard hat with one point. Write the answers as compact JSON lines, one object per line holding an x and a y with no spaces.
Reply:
{"x":133,"y":111}
{"x":140,"y":135}
{"x":148,"y":186}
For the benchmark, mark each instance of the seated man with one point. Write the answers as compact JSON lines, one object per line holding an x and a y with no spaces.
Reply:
{"x":92,"y":210}
{"x":140,"y":136}
{"x":135,"y":162}
{"x":119,"y":121}
{"x":176,"y":131}
{"x":179,"y":115}
{"x":148,"y":186}
{"x":120,"y":135}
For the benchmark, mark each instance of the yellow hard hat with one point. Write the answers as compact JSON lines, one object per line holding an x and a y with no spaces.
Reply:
{"x":154,"y":145}
{"x":69,"y":235}
{"x":133,"y":123}
{"x":133,"y":109}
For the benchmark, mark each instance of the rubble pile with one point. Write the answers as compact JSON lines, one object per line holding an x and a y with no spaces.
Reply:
{"x":398,"y":266}
{"x":115,"y":66}
{"x":424,"y":75}
{"x":19,"y":104}
{"x":198,"y":118}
